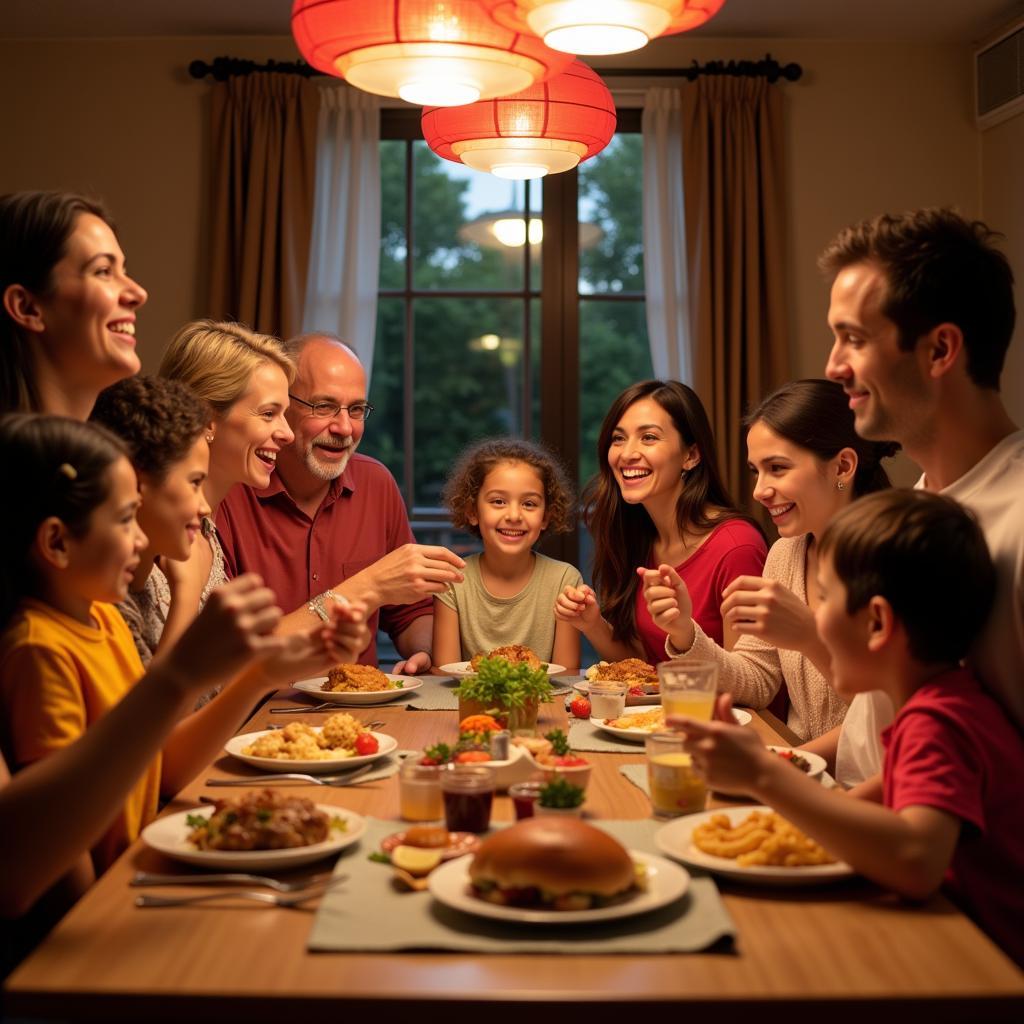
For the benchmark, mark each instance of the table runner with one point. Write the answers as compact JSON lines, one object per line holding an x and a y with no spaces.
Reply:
{"x":368,"y":914}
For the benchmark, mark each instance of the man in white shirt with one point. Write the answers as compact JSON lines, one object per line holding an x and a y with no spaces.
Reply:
{"x":922,"y":312}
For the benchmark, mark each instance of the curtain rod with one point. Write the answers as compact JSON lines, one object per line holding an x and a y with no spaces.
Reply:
{"x":224,"y":68}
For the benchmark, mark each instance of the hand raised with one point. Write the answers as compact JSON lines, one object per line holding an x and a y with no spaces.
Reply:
{"x":578,"y":607}
{"x":755,"y":606}
{"x":316,"y":650}
{"x":668,"y":601}
{"x":412,"y":572}
{"x":236,"y":624}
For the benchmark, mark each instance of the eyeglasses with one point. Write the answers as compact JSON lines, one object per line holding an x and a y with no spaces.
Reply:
{"x":328,"y":410}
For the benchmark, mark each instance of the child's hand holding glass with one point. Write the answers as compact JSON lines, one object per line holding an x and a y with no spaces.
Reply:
{"x":731,"y":759}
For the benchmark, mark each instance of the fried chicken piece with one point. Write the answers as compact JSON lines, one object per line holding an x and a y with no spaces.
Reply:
{"x":629,"y":670}
{"x":515,"y":653}
{"x":355,"y":678}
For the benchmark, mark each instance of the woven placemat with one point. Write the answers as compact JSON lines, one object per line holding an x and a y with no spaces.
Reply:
{"x":368,"y":914}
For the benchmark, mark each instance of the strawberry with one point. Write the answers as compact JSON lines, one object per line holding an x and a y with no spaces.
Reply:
{"x":580,"y":707}
{"x":366,"y":743}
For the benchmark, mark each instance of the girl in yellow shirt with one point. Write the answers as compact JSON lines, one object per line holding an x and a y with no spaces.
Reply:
{"x":67,"y":657}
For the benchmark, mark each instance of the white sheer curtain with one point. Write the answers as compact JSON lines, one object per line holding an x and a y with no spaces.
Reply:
{"x":344,"y":256}
{"x":668,"y":318}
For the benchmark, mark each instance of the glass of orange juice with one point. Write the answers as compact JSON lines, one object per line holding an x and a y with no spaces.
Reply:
{"x":674,"y":787}
{"x":419,"y":792}
{"x":688,"y":687}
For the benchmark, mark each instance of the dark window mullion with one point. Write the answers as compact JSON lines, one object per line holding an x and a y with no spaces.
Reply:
{"x":408,"y":361}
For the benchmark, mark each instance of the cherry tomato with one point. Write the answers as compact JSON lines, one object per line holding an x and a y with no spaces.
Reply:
{"x":366,"y":743}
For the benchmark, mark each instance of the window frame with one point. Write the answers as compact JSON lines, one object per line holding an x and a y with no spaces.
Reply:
{"x":559,"y":297}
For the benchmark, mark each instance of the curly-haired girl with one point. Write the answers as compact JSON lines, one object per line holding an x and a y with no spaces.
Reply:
{"x":507,"y":492}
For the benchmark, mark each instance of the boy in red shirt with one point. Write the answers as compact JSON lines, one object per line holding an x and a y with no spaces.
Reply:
{"x":906,"y":584}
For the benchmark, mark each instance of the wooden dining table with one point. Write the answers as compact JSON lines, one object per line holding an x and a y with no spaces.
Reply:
{"x":836,"y":953}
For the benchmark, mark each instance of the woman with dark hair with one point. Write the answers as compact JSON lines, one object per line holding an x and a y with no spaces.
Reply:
{"x":808,"y":463}
{"x":658,"y":499}
{"x":67,"y":329}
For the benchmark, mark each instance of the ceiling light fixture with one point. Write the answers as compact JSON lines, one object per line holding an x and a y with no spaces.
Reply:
{"x":606,"y":26}
{"x":441,"y":53}
{"x":545,"y":129}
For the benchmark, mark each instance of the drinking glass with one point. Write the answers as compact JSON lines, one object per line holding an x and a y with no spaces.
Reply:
{"x":419,"y":792}
{"x":675,"y":788}
{"x":688,"y":687}
{"x":607,"y":698}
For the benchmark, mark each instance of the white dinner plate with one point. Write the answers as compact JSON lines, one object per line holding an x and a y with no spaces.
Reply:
{"x":461,"y":668}
{"x":354,"y":698}
{"x":817,"y":763}
{"x":235,"y":745}
{"x":638,"y":735}
{"x":676,"y":840}
{"x":449,"y":885}
{"x":169,"y":835}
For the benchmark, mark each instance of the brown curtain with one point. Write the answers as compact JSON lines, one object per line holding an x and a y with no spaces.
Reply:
{"x":733,"y":184}
{"x":263,"y":150}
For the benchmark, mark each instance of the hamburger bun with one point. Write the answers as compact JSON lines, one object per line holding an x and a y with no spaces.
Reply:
{"x":555,"y":855}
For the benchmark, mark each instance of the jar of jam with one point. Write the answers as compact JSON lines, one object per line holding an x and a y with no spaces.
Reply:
{"x":468,"y":792}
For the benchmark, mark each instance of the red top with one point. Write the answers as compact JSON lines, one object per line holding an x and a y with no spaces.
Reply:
{"x":951,"y":747}
{"x":735,"y":548}
{"x":362,"y":518}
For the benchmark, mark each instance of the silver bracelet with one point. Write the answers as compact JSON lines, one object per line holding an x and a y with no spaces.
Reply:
{"x":318,"y":605}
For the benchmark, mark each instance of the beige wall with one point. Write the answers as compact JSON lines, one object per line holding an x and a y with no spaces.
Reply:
{"x":871,"y":127}
{"x":1002,"y":206}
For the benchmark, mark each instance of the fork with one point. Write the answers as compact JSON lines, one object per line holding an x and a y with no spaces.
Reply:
{"x":302,"y":710}
{"x":299,"y":885}
{"x":275,"y":899}
{"x":318,"y":780}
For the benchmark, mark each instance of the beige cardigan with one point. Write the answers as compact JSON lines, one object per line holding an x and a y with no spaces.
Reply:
{"x":754,"y":670}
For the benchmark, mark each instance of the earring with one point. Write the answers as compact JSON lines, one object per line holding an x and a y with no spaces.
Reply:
{"x":209,"y":438}
{"x":840,"y":485}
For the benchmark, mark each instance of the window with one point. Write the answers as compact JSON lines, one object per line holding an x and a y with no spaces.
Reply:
{"x":493,"y":320}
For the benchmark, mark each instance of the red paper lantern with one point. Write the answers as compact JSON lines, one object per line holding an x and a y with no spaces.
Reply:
{"x":545,"y":129}
{"x":605,"y":26}
{"x":439,"y":52}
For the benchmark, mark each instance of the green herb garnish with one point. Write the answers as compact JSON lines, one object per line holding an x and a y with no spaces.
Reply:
{"x":379,"y":858}
{"x":560,"y":793}
{"x":558,"y":740}
{"x":196,"y":820}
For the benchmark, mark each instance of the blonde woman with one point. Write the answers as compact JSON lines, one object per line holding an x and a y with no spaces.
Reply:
{"x":244,"y":377}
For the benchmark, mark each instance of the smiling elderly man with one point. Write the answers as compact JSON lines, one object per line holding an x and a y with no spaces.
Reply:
{"x":333,"y":521}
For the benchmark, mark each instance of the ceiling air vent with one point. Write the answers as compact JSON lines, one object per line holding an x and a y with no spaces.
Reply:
{"x":999,"y":78}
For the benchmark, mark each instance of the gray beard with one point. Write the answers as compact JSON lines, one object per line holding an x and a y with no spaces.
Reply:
{"x":324,"y":471}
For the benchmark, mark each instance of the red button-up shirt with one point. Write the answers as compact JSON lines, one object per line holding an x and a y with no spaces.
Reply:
{"x":360,"y":520}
